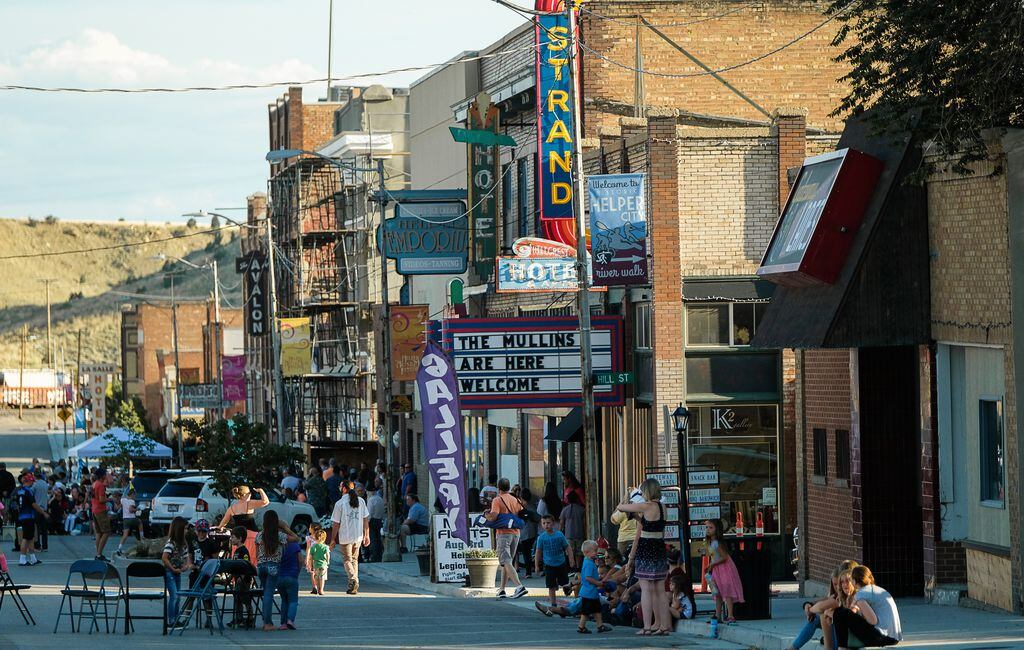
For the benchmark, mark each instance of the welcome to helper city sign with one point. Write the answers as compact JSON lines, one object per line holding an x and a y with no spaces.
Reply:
{"x":531,"y":362}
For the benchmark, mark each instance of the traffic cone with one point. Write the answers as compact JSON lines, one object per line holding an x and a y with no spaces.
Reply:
{"x":705,"y":561}
{"x":759,"y":524}
{"x":739,"y":523}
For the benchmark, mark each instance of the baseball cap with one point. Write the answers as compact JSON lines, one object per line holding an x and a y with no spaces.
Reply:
{"x":28,"y":477}
{"x":202,"y":524}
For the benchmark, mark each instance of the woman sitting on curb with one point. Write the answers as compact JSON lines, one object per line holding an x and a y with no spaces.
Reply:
{"x":815,"y":611}
{"x":873,"y":619}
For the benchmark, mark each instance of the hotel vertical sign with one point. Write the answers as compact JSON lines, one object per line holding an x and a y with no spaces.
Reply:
{"x":554,"y":117}
{"x":483,"y":186}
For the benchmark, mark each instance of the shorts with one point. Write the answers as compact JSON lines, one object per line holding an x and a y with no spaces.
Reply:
{"x":101,"y":523}
{"x":320,"y":573}
{"x":132,"y":524}
{"x":590,"y":606}
{"x":556,"y":576}
{"x":506,"y":545}
{"x":28,"y":528}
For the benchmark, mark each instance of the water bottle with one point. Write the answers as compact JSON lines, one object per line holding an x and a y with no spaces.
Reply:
{"x":714,"y":627}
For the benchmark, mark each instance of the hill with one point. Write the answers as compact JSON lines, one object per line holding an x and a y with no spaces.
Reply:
{"x":87,"y":289}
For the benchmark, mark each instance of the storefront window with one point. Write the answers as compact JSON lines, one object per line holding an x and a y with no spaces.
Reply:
{"x":475,"y":435}
{"x":536,"y":465}
{"x":742,"y":442}
{"x":508,"y":454}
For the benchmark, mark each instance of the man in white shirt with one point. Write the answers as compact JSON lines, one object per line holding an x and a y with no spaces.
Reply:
{"x":351,"y":520}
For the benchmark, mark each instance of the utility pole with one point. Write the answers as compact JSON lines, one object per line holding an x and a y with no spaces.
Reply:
{"x":21,"y":374}
{"x":78,"y":380}
{"x":583,"y":294}
{"x":177,"y":378}
{"x":330,"y":43}
{"x":275,"y":337}
{"x":217,"y":350}
{"x":392,"y":553}
{"x":49,"y":336}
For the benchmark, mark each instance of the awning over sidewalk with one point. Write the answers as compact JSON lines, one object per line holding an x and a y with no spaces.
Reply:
{"x":568,"y":430}
{"x":743,"y":288}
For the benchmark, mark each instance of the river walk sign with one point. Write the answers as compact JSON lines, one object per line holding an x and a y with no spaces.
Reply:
{"x":427,"y":238}
{"x":508,"y":363}
{"x":618,"y":228}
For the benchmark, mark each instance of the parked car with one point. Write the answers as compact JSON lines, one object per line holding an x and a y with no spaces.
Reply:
{"x":147,"y":484}
{"x":193,"y":498}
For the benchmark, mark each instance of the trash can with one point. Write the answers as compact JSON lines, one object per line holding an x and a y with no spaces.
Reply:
{"x":753,"y":561}
{"x":423,"y":557}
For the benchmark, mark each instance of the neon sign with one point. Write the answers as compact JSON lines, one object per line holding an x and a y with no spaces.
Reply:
{"x":554,"y":116}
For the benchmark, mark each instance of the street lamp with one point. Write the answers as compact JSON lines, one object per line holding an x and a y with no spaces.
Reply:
{"x":681,"y":423}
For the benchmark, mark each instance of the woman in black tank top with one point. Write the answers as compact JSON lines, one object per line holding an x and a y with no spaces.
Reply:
{"x":648,"y":560}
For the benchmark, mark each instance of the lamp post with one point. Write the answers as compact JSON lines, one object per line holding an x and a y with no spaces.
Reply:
{"x":681,"y":422}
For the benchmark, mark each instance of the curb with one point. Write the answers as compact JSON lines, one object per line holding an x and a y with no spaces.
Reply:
{"x":380,"y":571}
{"x":735,"y":634}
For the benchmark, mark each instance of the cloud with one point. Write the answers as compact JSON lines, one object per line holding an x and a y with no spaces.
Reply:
{"x":97,"y":57}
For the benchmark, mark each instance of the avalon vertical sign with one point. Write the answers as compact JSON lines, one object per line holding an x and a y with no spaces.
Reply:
{"x":253,"y":268}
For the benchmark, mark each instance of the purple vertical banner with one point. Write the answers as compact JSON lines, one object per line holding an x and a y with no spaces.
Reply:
{"x":442,"y":435}
{"x":232,"y":370}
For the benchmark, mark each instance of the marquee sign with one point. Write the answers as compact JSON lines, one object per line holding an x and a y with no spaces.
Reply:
{"x":427,"y":238}
{"x":504,"y":363}
{"x":554,"y":115}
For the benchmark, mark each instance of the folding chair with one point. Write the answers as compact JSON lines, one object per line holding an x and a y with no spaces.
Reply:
{"x":92,"y":594}
{"x":235,"y":572}
{"x":8,"y":586}
{"x":195,"y":597}
{"x":150,"y":570}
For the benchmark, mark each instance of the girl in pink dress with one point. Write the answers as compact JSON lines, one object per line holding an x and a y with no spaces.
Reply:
{"x":722,"y":576}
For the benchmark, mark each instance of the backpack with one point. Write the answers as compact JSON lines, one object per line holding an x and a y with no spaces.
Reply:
{"x":504,"y":519}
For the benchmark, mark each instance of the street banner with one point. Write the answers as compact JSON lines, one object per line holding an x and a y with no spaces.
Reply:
{"x":253,"y":268}
{"x":618,"y":229}
{"x":427,"y":238}
{"x":408,"y":323}
{"x":442,"y":436}
{"x":232,"y":370}
{"x":554,"y":116}
{"x":483,"y":182}
{"x":296,"y":350}
{"x":450,"y":551}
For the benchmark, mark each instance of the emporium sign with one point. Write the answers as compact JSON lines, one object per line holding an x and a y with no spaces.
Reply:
{"x":507,"y":363}
{"x":554,"y":115}
{"x":428,"y":238}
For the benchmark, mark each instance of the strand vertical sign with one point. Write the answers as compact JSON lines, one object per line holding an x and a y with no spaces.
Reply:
{"x":483,"y":185}
{"x":554,"y":115}
{"x":442,"y":435}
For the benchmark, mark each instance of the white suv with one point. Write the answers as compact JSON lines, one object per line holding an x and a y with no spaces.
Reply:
{"x":193,"y":498}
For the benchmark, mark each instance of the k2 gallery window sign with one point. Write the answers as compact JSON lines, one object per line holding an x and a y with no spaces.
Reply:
{"x":531,"y":362}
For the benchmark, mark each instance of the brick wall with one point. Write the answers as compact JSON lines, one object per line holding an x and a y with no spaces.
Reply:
{"x":727,"y":198}
{"x":828,"y":537}
{"x":805,"y":74}
{"x":317,"y":125}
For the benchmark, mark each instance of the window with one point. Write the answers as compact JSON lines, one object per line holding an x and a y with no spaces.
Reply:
{"x":131,"y":364}
{"x":722,"y":323}
{"x":842,"y":455}
{"x":990,"y":451}
{"x":643,"y":326}
{"x":820,"y":452}
{"x":523,"y":196}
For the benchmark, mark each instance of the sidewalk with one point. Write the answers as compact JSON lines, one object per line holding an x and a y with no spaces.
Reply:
{"x":924,"y":625}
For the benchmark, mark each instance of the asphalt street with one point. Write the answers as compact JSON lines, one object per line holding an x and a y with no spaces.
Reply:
{"x":381,"y":616}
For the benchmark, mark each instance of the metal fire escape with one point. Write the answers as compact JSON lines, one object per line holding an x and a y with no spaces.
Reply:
{"x":322,"y":236}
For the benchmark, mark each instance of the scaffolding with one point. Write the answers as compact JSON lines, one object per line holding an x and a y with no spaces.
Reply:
{"x":322,"y":238}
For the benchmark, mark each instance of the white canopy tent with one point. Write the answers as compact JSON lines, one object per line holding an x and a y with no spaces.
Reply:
{"x":99,"y":446}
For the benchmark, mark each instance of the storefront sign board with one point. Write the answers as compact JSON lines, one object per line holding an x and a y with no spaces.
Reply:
{"x":665,"y":479}
{"x":697,"y":531}
{"x":705,"y":495}
{"x":427,"y":238}
{"x":450,"y":551}
{"x":702,"y":477}
{"x":703,"y":513}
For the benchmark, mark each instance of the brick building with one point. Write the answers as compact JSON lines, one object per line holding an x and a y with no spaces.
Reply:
{"x":147,"y":350}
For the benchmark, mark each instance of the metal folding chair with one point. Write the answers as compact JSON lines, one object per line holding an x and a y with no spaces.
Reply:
{"x":149,"y":570}
{"x":8,"y":586}
{"x":98,"y":579}
{"x":195,"y":597}
{"x":240,"y":583}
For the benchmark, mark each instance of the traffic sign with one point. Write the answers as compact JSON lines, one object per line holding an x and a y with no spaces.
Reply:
{"x":612,"y":378}
{"x":64,"y":413}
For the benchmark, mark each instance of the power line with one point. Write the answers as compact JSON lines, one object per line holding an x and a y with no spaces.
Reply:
{"x":270,"y":84}
{"x":719,"y":70}
{"x":632,"y":23}
{"x":95,"y":249}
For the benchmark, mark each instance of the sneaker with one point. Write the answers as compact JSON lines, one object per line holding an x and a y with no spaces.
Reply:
{"x":119,"y":553}
{"x":502,"y":594}
{"x":102,"y":558}
{"x":35,"y":563}
{"x":25,"y":563}
{"x":519,"y":592}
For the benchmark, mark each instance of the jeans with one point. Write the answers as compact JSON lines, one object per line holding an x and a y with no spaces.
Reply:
{"x":807,"y":631}
{"x":42,"y":531}
{"x":526,"y":550}
{"x":288,"y":587}
{"x":376,"y":541}
{"x":269,"y":583}
{"x":173,"y":582}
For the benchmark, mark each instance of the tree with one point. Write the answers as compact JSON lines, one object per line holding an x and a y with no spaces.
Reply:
{"x":126,"y":417}
{"x":959,"y":64}
{"x":191,"y":223}
{"x":238,"y":453}
{"x":214,"y":222}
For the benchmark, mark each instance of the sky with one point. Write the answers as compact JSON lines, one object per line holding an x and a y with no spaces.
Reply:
{"x":152,"y":157}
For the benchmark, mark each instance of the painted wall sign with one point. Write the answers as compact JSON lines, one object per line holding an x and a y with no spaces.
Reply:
{"x":554,"y":115}
{"x":484,"y":176}
{"x":428,"y":238}
{"x":531,"y":362}
{"x":253,"y":268}
{"x":618,"y":228}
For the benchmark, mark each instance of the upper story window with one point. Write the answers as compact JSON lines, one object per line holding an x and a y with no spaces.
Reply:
{"x":722,"y":323}
{"x":990,"y":452}
{"x":643,"y":326}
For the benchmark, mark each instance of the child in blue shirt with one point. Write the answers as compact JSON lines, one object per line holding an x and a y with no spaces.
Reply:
{"x":590,"y":582}
{"x":552,"y":547}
